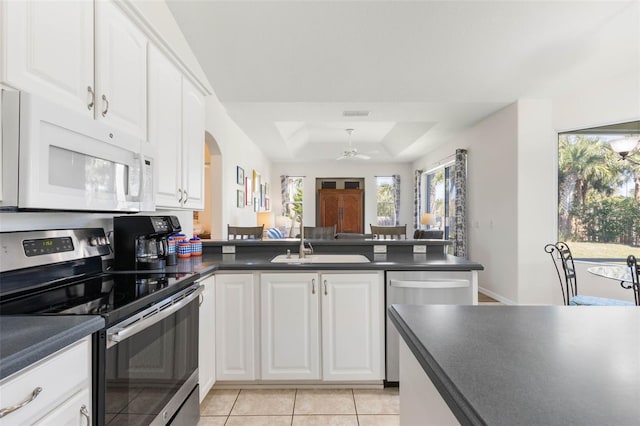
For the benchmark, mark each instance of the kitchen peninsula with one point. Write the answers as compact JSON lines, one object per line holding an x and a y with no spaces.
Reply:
{"x":519,"y":365}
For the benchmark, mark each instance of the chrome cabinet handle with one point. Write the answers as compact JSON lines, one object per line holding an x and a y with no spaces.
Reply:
{"x":93,"y":97}
{"x":325,"y":287}
{"x":186,"y":195}
{"x":84,"y":412}
{"x":180,"y":192}
{"x":13,"y":408}
{"x":201,"y":299}
{"x":106,"y":108}
{"x":313,"y":286}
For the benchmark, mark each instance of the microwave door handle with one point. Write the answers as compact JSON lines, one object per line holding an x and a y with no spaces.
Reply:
{"x":124,"y":333}
{"x":430,"y":283}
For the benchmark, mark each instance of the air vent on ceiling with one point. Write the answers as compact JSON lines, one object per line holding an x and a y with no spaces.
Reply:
{"x":355,"y":113}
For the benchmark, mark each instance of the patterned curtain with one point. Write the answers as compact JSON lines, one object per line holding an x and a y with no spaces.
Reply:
{"x":396,"y":197}
{"x":284,"y":192}
{"x":460,"y":179}
{"x":417,"y":197}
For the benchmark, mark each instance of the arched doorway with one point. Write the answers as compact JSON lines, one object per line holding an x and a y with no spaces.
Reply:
{"x":209,"y":221}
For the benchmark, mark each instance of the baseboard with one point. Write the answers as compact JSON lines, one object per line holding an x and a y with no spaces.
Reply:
{"x":496,"y":296}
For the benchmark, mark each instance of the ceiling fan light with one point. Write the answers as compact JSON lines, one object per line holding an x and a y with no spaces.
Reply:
{"x":623,"y":146}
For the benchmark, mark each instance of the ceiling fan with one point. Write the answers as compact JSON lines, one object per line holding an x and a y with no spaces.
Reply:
{"x":352,"y":152}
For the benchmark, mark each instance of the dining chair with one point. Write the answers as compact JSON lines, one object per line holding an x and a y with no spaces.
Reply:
{"x":320,"y":232}
{"x":244,"y":232}
{"x":398,"y":232}
{"x":562,"y":257}
{"x":632,"y":262}
{"x":428,"y":234}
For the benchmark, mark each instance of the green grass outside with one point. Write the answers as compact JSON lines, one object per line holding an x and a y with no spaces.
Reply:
{"x":602,"y":250}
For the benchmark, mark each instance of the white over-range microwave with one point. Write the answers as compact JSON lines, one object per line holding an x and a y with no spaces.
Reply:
{"x":54,"y":158}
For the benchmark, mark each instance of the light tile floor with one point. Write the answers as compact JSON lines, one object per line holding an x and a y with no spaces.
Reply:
{"x":301,"y":407}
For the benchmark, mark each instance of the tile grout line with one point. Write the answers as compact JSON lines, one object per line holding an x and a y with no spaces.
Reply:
{"x":234,"y":404}
{"x":293,"y":411}
{"x":355,"y":407}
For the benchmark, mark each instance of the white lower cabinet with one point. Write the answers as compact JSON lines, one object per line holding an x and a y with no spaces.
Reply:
{"x":347,"y":310}
{"x":290,"y":322}
{"x":235,"y":325}
{"x":352,"y":326}
{"x":206,"y":337}
{"x":64,"y":396}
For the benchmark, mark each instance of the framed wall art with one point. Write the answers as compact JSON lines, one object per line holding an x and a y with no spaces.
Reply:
{"x":239,"y":175}
{"x":240,"y":198}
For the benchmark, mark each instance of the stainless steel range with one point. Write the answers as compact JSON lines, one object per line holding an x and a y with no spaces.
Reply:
{"x":145,"y":360}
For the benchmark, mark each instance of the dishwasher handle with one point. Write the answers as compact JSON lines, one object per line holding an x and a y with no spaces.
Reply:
{"x":430,"y":283}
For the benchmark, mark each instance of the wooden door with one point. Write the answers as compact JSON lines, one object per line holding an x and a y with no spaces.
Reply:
{"x":343,"y":208}
{"x":351,"y":213}
{"x":330,"y":208}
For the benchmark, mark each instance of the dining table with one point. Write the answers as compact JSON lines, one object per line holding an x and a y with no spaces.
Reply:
{"x":620,"y":273}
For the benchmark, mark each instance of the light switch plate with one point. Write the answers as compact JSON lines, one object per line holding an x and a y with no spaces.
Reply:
{"x":379,"y":248}
{"x":420,"y":248}
{"x":228,"y":249}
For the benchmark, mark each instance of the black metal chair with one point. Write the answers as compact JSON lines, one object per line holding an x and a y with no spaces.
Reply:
{"x":398,"y":232}
{"x":561,"y":256}
{"x":244,"y":232}
{"x":632,"y":263}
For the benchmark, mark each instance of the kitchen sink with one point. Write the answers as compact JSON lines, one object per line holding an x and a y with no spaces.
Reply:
{"x":321,"y":258}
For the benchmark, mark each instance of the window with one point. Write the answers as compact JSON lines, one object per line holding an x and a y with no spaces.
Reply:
{"x":293,"y":196}
{"x":385,"y":198}
{"x":598,"y":196}
{"x":439,"y":198}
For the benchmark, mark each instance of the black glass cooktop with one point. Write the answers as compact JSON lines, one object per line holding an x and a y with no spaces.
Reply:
{"x":114,"y":295}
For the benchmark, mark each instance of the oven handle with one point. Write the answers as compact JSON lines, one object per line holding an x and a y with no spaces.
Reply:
{"x":121,"y":334}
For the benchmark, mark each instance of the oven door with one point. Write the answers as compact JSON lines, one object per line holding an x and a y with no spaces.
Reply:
{"x":152,"y":362}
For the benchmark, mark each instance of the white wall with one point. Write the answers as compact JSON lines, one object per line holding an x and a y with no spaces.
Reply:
{"x":236,"y":149}
{"x":349,"y":169}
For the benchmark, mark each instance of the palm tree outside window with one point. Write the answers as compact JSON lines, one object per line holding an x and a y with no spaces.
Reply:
{"x":598,"y":198}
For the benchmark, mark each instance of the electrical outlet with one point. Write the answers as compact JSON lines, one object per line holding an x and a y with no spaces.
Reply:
{"x":228,"y":249}
{"x":379,"y":248}
{"x":419,"y":248}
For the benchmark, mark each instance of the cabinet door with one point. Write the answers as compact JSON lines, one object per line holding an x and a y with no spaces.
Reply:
{"x":351,"y":211}
{"x":330,"y":209}
{"x":235,"y":315}
{"x":206,"y":349}
{"x":121,"y":70}
{"x":75,"y":411}
{"x":352,"y":326}
{"x":290,"y":326}
{"x":192,"y":146}
{"x":49,"y":50}
{"x":165,"y":127}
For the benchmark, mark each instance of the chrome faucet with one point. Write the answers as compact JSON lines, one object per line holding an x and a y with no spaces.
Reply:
{"x":302,"y":251}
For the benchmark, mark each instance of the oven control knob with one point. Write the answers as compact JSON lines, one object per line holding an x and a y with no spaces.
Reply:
{"x":93,"y":241}
{"x":165,"y":416}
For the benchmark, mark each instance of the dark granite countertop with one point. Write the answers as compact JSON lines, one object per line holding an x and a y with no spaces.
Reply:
{"x":529,"y":365}
{"x":28,"y":339}
{"x":258,"y":261}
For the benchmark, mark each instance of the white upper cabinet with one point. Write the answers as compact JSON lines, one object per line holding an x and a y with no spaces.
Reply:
{"x":165,"y":127}
{"x":121,"y":70}
{"x":192,"y":146}
{"x":85,"y":55}
{"x":176,"y":129}
{"x":48,"y":50}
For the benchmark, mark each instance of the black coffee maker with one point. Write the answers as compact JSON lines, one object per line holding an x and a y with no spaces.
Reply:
{"x":140,"y":242}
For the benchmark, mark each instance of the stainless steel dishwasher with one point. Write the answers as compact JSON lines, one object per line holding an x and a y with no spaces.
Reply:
{"x":425,"y":288}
